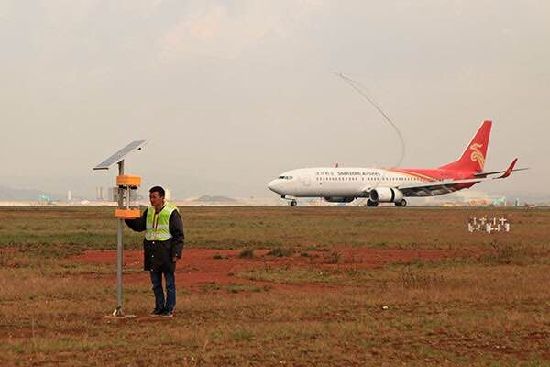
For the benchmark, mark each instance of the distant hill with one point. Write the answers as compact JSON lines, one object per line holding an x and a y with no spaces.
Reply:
{"x":10,"y":193}
{"x":214,"y":199}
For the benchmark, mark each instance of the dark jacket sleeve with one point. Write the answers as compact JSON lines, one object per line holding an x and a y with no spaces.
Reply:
{"x":176,"y":230}
{"x":138,"y":224}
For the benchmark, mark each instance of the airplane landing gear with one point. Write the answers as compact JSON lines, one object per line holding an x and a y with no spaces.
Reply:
{"x":291,"y":202}
{"x":372,"y":203}
{"x":403,"y":202}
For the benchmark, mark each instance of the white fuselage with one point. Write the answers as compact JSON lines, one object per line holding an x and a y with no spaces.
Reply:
{"x":334,"y":181}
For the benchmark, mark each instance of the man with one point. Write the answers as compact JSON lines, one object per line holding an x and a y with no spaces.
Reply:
{"x":162,"y":247}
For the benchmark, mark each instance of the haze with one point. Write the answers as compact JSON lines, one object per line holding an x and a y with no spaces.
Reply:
{"x":231,"y":93}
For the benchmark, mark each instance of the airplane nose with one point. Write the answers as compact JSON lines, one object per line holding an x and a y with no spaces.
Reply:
{"x":273,"y":186}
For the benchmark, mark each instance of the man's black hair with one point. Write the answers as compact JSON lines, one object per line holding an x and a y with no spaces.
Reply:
{"x":158,"y":189}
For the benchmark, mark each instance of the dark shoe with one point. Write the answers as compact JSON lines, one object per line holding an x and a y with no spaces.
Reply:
{"x":156,"y":313}
{"x":167,"y":313}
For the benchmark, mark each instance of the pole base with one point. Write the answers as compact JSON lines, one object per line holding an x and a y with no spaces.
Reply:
{"x":119,"y":317}
{"x":119,"y":314}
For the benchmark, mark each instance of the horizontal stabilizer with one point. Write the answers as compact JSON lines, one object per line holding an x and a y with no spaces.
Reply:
{"x":503,"y":174}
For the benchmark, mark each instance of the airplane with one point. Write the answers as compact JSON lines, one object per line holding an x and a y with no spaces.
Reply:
{"x":345,"y":184}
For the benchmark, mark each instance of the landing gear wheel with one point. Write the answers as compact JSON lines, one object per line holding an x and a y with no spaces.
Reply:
{"x":403,"y":202}
{"x":293,"y":203}
{"x":372,"y":203}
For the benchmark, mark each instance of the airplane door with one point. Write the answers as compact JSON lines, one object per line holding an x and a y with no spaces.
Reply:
{"x":306,"y":180}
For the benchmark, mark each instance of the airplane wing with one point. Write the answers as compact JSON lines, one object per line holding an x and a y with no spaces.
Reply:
{"x":448,"y":186}
{"x":437,"y":187}
{"x":432,"y":188}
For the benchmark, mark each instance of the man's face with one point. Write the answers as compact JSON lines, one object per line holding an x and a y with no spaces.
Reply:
{"x":156,"y":200}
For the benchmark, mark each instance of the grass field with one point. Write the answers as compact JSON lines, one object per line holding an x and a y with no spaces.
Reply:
{"x":323,"y":286}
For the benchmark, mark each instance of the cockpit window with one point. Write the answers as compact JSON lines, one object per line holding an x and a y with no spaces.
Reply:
{"x":285,"y":177}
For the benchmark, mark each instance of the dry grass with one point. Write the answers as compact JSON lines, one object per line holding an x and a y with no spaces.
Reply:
{"x":487,"y":307}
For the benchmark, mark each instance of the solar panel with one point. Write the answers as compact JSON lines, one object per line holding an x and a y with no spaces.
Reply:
{"x":121,"y":154}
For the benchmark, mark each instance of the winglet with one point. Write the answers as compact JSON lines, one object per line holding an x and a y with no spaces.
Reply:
{"x":509,"y":170}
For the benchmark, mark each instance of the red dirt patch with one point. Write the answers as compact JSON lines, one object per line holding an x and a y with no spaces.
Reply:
{"x":203,"y":267}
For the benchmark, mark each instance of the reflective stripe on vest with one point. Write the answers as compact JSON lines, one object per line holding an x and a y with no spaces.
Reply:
{"x":158,"y":225}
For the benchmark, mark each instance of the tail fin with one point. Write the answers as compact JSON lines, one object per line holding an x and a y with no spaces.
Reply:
{"x":473,"y":158}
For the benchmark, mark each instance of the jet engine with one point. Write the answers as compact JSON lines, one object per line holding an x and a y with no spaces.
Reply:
{"x":386,"y":195}
{"x":339,"y":199}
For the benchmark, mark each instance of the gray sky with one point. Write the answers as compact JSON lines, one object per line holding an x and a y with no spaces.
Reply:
{"x":231,"y":93}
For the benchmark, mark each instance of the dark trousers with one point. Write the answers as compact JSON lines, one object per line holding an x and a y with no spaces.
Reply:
{"x":162,"y":303}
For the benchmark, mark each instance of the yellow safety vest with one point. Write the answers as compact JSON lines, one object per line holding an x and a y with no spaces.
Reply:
{"x":158,"y":224}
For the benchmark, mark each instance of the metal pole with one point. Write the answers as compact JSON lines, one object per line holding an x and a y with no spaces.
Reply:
{"x":120,"y":248}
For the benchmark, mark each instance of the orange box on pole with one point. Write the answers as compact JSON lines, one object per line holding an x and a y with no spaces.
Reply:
{"x":128,"y":180}
{"x":127,"y":213}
